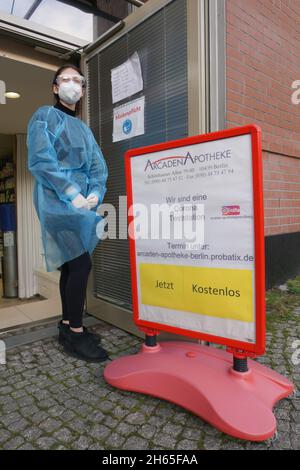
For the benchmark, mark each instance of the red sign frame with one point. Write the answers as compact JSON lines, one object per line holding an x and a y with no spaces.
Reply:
{"x":257,"y":348}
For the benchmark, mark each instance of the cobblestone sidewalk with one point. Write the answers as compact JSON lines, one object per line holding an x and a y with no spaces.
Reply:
{"x":51,"y":401}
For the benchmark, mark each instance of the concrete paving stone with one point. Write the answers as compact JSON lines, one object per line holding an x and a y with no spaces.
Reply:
{"x":39,"y":417}
{"x":147,"y":409}
{"x":50,"y":425}
{"x":45,"y":443}
{"x":165,"y":410}
{"x":135,"y":443}
{"x":126,"y":429}
{"x":67,"y":416}
{"x":6,"y":390}
{"x":64,"y":399}
{"x":10,"y":406}
{"x":18,"y":394}
{"x":156,"y":421}
{"x":111,"y":422}
{"x":80,"y":426}
{"x":283,"y":426}
{"x":257,"y":446}
{"x":47,"y":404}
{"x":119,"y":412}
{"x":164,"y":440}
{"x":295,"y":415}
{"x":99,"y":432}
{"x":32,"y":433}
{"x":14,"y":443}
{"x":147,"y":431}
{"x":106,"y":405}
{"x":17,"y":382}
{"x":295,"y":442}
{"x":179,"y":417}
{"x":72,"y":402}
{"x":295,"y":429}
{"x":82,"y":443}
{"x":84,"y":379}
{"x":27,"y":446}
{"x":90,"y":399}
{"x":130,"y":402}
{"x":95,"y":416}
{"x":192,"y":433}
{"x":72,"y":382}
{"x":96,"y":446}
{"x":233,"y":446}
{"x":114,"y":441}
{"x":114,"y":395}
{"x":186,"y":444}
{"x":28,"y":410}
{"x":172,"y":429}
{"x":64,"y":435}
{"x":55,"y":389}
{"x":283,"y":442}
{"x":19,"y":425}
{"x":101,"y":393}
{"x":89,"y":387}
{"x":56,"y":410}
{"x":28,"y":400}
{"x":136,"y":418}
{"x":211,"y":443}
{"x":81,"y":409}
{"x":4,"y":435}
{"x":9,"y":418}
{"x":6,"y":399}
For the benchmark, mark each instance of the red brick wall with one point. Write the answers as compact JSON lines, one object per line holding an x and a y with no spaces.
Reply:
{"x":263,"y":60}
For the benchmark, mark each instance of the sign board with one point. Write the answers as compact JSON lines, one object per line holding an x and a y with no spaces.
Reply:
{"x":213,"y":288}
{"x":129,"y":120}
{"x":126,"y":79}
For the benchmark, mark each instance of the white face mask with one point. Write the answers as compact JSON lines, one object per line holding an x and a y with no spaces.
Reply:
{"x":69,"y":92}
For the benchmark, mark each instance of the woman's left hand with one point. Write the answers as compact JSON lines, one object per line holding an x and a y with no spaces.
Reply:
{"x":92,"y":200}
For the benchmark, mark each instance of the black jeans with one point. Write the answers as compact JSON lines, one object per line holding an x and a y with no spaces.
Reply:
{"x":72,"y":286}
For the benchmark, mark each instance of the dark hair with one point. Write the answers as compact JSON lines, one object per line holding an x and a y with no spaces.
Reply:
{"x":57,"y":73}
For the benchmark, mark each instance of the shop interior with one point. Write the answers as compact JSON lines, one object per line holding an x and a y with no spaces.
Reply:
{"x":27,"y":292}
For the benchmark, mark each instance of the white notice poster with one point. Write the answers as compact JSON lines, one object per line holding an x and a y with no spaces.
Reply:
{"x":126,"y":80}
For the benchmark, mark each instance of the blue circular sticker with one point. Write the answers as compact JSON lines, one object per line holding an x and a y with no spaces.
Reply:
{"x":127,"y":126}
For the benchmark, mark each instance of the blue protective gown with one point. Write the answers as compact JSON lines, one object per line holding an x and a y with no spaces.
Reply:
{"x":65,"y":160}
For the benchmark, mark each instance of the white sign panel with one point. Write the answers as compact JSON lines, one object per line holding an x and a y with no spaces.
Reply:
{"x":126,"y":79}
{"x":207,"y":287}
{"x":129,"y":120}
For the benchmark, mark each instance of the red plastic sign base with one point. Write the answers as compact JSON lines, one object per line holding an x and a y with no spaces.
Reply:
{"x":201,"y":380}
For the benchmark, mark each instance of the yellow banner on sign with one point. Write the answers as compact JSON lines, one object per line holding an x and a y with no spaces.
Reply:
{"x":215,"y":292}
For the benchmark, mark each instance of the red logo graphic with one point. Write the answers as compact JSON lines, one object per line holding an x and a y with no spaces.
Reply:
{"x":230,"y":210}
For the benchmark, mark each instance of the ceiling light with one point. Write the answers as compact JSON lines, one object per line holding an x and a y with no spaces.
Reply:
{"x":12,"y":94}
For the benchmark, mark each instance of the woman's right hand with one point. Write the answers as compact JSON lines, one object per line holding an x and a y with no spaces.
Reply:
{"x":80,"y":202}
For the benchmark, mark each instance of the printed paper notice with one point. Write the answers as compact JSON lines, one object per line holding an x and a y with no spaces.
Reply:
{"x":126,"y":79}
{"x":129,"y":120}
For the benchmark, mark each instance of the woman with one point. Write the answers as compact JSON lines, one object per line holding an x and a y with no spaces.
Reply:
{"x":70,"y":182}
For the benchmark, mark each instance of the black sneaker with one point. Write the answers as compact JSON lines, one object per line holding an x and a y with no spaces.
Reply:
{"x":64,"y":330}
{"x":82,"y":346}
{"x":92,"y":335}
